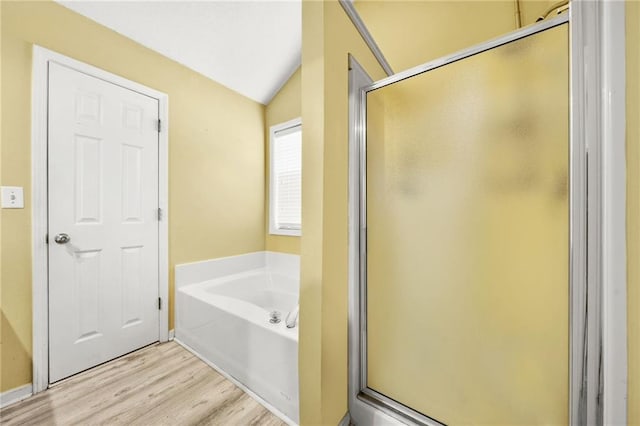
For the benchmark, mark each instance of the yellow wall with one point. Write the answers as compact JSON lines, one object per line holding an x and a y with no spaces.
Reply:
{"x":283,"y":107}
{"x":327,"y":38}
{"x":411,"y":33}
{"x":633,"y":206}
{"x":530,"y":10}
{"x":216,"y":156}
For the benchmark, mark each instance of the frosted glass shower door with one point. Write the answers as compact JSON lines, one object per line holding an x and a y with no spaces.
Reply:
{"x":467,"y":240}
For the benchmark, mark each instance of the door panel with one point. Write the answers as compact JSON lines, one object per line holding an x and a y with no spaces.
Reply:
{"x":468,"y":237}
{"x":103,"y":193}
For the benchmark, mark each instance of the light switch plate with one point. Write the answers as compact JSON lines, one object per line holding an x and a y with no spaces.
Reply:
{"x":12,"y":197}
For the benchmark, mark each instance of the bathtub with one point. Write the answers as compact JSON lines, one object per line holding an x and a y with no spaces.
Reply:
{"x":226,"y":321}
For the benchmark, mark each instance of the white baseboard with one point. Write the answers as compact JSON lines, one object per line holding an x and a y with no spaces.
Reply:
{"x":172,"y":334}
{"x":15,"y":395}
{"x":264,"y":403}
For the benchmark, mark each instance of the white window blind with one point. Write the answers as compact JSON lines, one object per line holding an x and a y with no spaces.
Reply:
{"x":286,"y":179}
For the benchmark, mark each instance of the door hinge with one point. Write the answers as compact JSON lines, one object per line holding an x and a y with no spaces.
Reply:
{"x":159,"y":125}
{"x":46,"y":238}
{"x":159,"y":214}
{"x":159,"y":303}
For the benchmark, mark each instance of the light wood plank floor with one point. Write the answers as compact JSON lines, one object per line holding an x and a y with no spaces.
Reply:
{"x":162,"y":384}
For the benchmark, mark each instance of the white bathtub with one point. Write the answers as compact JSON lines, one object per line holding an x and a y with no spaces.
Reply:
{"x":225,"y":320}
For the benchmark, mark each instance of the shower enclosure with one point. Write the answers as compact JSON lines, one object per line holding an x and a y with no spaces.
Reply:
{"x":468,"y":297}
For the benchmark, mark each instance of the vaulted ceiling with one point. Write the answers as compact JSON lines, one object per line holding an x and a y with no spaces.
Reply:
{"x":251,"y":47}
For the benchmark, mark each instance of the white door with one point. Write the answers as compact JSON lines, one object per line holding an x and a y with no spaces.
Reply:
{"x":103,"y":194}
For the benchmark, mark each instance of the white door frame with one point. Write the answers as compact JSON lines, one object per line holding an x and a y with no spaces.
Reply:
{"x":39,"y":197}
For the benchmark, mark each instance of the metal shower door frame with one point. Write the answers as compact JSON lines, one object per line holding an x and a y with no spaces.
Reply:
{"x":585,"y":195}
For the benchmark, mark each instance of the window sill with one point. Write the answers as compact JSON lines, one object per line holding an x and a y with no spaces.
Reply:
{"x":286,"y":232}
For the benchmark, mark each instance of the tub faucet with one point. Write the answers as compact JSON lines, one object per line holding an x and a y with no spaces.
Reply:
{"x":292,"y":317}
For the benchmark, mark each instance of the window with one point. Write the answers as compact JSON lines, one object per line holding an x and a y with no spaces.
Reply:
{"x":285,"y":186}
